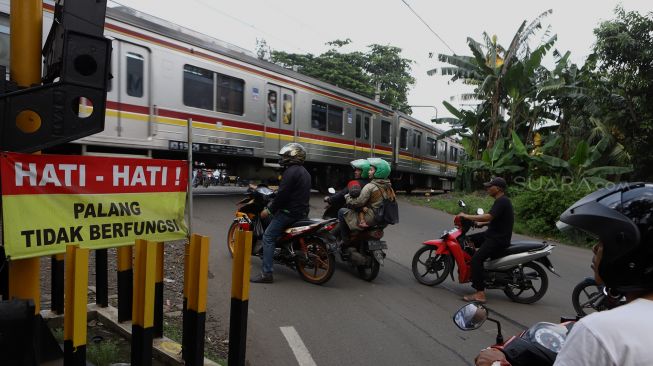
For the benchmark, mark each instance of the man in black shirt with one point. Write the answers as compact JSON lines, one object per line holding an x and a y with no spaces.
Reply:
{"x":289,"y":205}
{"x":497,"y":237}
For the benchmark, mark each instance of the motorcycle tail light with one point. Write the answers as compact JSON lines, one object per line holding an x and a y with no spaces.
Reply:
{"x":330,"y":227}
{"x":244,"y":225}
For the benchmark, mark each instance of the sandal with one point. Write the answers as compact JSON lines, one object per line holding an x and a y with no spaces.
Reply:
{"x":472,"y":298}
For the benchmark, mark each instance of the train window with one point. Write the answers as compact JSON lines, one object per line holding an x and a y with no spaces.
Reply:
{"x":358,"y":125}
{"x":198,"y":87}
{"x":385,"y":132}
{"x":319,"y":116}
{"x":403,"y":138}
{"x":326,"y":117}
{"x":366,"y":127}
{"x":432,"y":146}
{"x":335,"y":119}
{"x":4,"y":41}
{"x":287,"y":109}
{"x":417,"y":139}
{"x":231,"y":96}
{"x":363,"y":125}
{"x":272,"y":106}
{"x":453,"y":154}
{"x":442,"y":150}
{"x":135,"y":67}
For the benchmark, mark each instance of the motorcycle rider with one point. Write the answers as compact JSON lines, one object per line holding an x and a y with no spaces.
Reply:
{"x":361,"y":173}
{"x":496,"y":238}
{"x":622,"y":219}
{"x":289,"y":205}
{"x":371,"y":196}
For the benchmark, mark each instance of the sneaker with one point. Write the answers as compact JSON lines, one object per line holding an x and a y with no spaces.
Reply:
{"x":262,"y":278}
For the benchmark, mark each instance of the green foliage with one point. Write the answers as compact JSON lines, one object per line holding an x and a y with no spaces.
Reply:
{"x":104,"y":353}
{"x":380,"y":71}
{"x":539,"y":203}
{"x":623,"y":80}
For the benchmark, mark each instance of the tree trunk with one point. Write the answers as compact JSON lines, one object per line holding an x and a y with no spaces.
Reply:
{"x":377,"y":92}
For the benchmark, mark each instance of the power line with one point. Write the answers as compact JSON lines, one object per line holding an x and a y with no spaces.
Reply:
{"x":428,"y":26}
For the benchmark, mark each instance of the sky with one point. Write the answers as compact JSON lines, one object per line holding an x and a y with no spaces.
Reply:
{"x":304,"y":26}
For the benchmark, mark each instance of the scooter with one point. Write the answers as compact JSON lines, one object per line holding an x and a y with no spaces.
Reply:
{"x":539,"y":345}
{"x":514,"y":270}
{"x":365,"y":251}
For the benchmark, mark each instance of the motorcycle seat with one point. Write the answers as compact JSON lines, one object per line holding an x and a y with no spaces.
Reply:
{"x":521,"y":246}
{"x":306,"y":222}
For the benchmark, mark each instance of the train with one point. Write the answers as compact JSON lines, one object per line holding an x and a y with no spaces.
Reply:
{"x":243,"y":109}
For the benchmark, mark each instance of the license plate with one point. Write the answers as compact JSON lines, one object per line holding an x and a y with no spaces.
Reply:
{"x":377,"y":245}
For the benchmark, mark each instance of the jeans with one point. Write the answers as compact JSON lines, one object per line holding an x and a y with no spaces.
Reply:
{"x":488,"y":247}
{"x":280,"y":221}
{"x":344,"y":228}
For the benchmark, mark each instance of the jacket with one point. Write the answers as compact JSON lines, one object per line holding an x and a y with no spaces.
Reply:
{"x":294,"y":192}
{"x":371,"y":197}
{"x":338,"y":198}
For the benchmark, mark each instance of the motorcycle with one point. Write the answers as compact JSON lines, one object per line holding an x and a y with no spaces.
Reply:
{"x":365,"y":251}
{"x":305,"y":245}
{"x":539,"y":345}
{"x":514,"y":270}
{"x":588,"y":297}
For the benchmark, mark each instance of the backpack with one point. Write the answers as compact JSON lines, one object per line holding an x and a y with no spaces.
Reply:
{"x":388,"y":212}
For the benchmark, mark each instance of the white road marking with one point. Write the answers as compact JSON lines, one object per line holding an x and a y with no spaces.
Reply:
{"x":298,"y":348}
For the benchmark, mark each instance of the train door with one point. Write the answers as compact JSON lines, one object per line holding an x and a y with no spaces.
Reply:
{"x":279,"y":118}
{"x":362,"y":135}
{"x":417,"y":149}
{"x":134,"y":94}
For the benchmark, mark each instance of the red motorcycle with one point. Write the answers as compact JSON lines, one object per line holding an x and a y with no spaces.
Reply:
{"x":539,"y":345}
{"x":514,"y":270}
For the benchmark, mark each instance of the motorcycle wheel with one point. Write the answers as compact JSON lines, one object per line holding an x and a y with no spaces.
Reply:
{"x":518,"y":292}
{"x":317,"y":265}
{"x":588,"y":297}
{"x":369,"y":273}
{"x":231,"y":238}
{"x":432,"y":269}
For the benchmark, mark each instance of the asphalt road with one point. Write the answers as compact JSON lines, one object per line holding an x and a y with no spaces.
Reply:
{"x":392,"y":321}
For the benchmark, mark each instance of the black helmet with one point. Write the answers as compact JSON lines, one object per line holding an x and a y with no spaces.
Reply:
{"x":292,"y":154}
{"x":622,"y":218}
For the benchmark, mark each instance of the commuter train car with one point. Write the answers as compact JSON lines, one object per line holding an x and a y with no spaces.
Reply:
{"x":243,"y":110}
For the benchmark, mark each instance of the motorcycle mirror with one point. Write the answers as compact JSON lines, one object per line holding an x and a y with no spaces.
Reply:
{"x":470,"y":316}
{"x":480,"y":211}
{"x":331,"y":190}
{"x":461,"y":203}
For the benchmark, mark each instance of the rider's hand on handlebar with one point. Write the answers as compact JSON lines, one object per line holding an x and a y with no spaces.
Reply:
{"x":488,"y":356}
{"x":264,"y":213}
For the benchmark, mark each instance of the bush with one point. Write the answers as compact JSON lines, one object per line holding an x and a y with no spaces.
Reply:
{"x":539,"y":205}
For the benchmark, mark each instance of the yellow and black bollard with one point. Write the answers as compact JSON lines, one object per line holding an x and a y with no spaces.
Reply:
{"x":76,"y":289}
{"x":125,"y":283}
{"x":143,"y":309}
{"x":57,"y":283}
{"x":197,"y":286}
{"x":101,"y":278}
{"x":185,"y":347}
{"x":158,"y":292}
{"x":239,"y":298}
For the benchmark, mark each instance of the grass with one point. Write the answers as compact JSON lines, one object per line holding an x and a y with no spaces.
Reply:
{"x":449,"y":202}
{"x":104,"y":353}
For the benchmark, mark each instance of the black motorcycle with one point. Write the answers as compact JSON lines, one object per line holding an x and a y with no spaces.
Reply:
{"x":365,"y":251}
{"x":305,"y":245}
{"x":588,"y":297}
